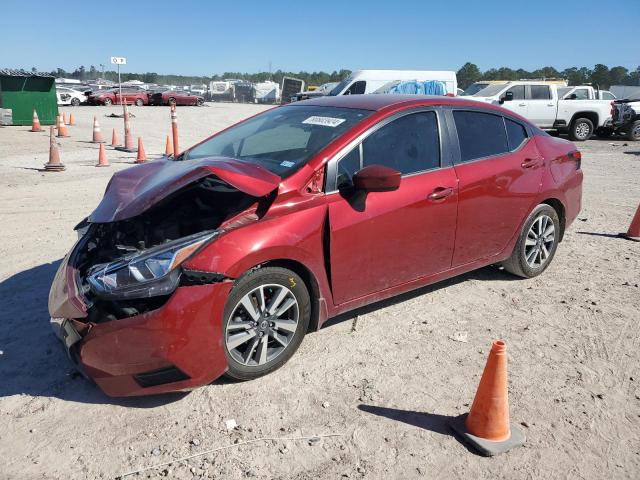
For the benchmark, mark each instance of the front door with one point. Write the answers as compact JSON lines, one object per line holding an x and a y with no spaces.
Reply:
{"x":383,"y":239}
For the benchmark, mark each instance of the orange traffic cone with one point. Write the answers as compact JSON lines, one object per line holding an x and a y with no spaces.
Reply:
{"x":35,"y":123}
{"x":114,"y":138}
{"x":174,"y":130}
{"x":97,"y":134}
{"x":71,"y":120}
{"x":128,"y":138}
{"x":62,"y":128}
{"x":102,"y":157}
{"x":54,"y":164}
{"x":168,"y":149}
{"x":142,"y":157}
{"x":487,"y":427}
{"x":634,"y":229}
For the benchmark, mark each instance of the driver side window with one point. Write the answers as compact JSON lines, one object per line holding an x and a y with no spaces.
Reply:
{"x":409,"y":144}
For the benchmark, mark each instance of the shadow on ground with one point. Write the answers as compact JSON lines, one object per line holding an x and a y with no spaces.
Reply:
{"x":34,"y":363}
{"x":427,"y":421}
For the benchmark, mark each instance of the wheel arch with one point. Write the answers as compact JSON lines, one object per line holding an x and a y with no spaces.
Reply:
{"x":593,"y":116}
{"x":309,"y":280}
{"x":560,"y":209}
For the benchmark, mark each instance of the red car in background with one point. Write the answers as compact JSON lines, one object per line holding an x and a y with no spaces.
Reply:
{"x":112,"y":97}
{"x":173,"y":97}
{"x":220,"y":260}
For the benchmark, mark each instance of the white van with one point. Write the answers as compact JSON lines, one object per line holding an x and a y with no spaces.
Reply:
{"x":369,"y":81}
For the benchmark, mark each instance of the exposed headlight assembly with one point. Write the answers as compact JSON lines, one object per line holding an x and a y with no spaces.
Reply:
{"x":149,"y":273}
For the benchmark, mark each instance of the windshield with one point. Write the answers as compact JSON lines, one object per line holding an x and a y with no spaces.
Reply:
{"x":474,"y":88}
{"x":491,"y":90}
{"x":283,"y":139}
{"x":339,"y":87}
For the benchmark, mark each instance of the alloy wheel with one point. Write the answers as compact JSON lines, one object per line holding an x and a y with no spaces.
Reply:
{"x":583,"y":130}
{"x":539,"y":242}
{"x":262,"y":324}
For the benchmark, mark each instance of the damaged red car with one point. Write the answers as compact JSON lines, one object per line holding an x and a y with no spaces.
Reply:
{"x":220,"y":261}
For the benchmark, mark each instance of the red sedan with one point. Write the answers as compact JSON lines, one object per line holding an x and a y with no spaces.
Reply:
{"x":172,"y":97}
{"x":220,"y":261}
{"x":112,"y":97}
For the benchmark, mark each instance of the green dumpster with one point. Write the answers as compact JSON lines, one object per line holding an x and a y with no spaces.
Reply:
{"x":22,"y":91}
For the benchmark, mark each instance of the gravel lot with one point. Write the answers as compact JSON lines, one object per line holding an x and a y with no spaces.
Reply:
{"x":386,"y":379}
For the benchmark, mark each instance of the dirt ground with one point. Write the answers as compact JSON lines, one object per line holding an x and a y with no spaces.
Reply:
{"x":385,"y":379}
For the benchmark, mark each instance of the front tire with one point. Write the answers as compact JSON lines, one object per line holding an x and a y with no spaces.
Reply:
{"x":107,"y":102}
{"x":265,"y":319}
{"x":537,"y":243}
{"x":171,"y":101}
{"x":633,"y":133}
{"x":581,"y":129}
{"x":139,"y":102}
{"x":75,"y":102}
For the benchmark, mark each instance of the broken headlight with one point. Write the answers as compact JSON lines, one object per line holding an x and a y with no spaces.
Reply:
{"x":148,"y":273}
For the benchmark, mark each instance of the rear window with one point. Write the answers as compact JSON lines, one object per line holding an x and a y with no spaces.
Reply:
{"x":283,"y":139}
{"x":540,"y":92}
{"x":516,"y":134}
{"x":480,"y":135}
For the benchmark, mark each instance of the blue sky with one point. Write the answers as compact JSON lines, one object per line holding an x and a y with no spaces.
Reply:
{"x":207,"y":37}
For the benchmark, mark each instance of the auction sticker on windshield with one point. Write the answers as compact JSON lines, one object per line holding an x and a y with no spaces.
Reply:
{"x":324,"y":121}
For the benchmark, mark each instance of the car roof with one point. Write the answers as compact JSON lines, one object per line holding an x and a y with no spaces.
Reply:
{"x":380,"y":101}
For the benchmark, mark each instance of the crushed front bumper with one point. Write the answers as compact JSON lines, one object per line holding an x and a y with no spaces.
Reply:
{"x":177,"y":347}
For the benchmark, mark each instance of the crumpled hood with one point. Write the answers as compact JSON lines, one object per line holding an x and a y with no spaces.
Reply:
{"x":134,"y":190}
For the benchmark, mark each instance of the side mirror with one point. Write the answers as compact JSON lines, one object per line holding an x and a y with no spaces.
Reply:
{"x":508,"y":96}
{"x":573,"y":96}
{"x":376,"y":178}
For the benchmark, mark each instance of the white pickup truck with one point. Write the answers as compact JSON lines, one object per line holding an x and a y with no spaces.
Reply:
{"x":626,"y":118}
{"x":541,"y":104}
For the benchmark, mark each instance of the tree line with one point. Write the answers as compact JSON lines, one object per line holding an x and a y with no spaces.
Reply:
{"x":600,"y":75}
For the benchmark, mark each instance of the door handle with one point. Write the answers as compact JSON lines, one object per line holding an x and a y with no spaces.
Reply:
{"x":522,"y":104}
{"x":440,"y":193}
{"x":530,"y":162}
{"x":551,"y":105}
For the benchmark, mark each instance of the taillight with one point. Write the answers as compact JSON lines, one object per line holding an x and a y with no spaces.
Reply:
{"x":577,"y":157}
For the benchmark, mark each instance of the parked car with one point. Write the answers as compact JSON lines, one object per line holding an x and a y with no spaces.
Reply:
{"x":368,"y":81}
{"x":137,"y":97}
{"x":174,"y":97}
{"x":70,"y":96}
{"x":220,"y":261}
{"x":626,"y":118}
{"x":320,"y":91}
{"x":539,"y":102}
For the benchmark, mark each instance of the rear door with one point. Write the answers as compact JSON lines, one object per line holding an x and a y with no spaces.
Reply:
{"x":500,"y":174}
{"x":383,"y":239}
{"x":541,"y":105}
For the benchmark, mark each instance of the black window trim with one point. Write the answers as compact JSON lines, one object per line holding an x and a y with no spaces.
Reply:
{"x":456,"y":140}
{"x":331,"y":176}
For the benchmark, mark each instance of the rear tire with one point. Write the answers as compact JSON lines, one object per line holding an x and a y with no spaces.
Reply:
{"x":199,"y":102}
{"x":243,"y":334}
{"x":533,"y":253}
{"x":107,"y":102}
{"x":581,"y":129}
{"x":171,"y":101}
{"x":633,"y":133}
{"x":139,"y":102}
{"x":75,"y":102}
